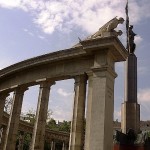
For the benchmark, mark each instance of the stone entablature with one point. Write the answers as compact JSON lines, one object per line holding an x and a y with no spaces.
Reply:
{"x":59,"y":63}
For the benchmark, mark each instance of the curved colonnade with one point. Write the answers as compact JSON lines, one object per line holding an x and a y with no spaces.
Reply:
{"x":92,"y":60}
{"x":52,"y":138}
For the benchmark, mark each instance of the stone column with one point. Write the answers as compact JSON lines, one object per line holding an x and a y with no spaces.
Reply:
{"x":3,"y":137}
{"x":2,"y":104}
{"x":64,"y":146}
{"x":100,"y":105}
{"x":3,"y":97}
{"x":53,"y":145}
{"x":77,"y":126}
{"x":13,"y":124}
{"x":38,"y":137}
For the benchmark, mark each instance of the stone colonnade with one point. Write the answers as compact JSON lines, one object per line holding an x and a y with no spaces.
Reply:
{"x":38,"y":136}
{"x":52,"y":143}
{"x":9,"y":134}
{"x":94,"y":61}
{"x":100,"y":95}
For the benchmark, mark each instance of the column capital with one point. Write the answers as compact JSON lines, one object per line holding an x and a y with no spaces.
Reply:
{"x":101,"y":71}
{"x":46,"y":84}
{"x":81,"y":78}
{"x":20,"y":89}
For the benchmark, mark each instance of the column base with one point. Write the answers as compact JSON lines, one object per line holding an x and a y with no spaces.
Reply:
{"x":130,"y":113}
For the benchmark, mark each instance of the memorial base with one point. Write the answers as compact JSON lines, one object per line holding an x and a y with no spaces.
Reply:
{"x":130,"y":147}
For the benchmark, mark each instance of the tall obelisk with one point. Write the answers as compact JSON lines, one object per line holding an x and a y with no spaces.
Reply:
{"x":130,"y":111}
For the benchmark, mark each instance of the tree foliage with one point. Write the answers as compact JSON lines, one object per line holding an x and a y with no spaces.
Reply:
{"x":61,"y":126}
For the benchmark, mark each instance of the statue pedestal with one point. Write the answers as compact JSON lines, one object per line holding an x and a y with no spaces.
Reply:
{"x":129,"y":147}
{"x":130,"y":113}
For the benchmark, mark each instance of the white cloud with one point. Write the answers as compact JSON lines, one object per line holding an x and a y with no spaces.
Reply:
{"x":29,"y":32}
{"x":86,"y":14}
{"x":62,"y":92}
{"x":144,"y":95}
{"x":144,"y":101}
{"x":59,"y":113}
{"x":142,"y":70}
{"x":117,"y":115}
{"x":138,"y":40}
{"x":25,"y":30}
{"x":10,"y":4}
{"x":41,"y":37}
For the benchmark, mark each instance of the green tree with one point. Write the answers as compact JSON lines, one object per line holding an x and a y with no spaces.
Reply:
{"x":65,"y":126}
{"x":27,"y":140}
{"x":52,"y":125}
{"x":31,"y":114}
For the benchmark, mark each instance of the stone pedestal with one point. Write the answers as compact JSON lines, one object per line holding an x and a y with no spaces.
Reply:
{"x":130,"y":111}
{"x":77,"y":126}
{"x":130,"y":117}
{"x":13,"y":124}
{"x":38,"y":138}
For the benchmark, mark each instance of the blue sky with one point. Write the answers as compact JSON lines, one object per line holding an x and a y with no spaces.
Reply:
{"x":29,"y":28}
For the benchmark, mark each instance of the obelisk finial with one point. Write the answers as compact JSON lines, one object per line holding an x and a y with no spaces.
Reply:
{"x":130,"y":34}
{"x":127,"y":25}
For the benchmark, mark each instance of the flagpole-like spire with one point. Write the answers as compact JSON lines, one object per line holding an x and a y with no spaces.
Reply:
{"x":130,"y":34}
{"x":127,"y":25}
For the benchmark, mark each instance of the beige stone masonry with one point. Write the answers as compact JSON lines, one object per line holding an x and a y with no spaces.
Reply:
{"x":77,"y":126}
{"x":3,"y":97}
{"x":95,"y":57}
{"x":12,"y":127}
{"x":100,"y":105}
{"x":38,"y":137}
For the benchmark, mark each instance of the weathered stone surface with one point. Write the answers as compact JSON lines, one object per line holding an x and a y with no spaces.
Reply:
{"x":13,"y":124}
{"x":60,"y":65}
{"x":38,"y":138}
{"x":100,"y":105}
{"x":77,"y":126}
{"x":94,"y":57}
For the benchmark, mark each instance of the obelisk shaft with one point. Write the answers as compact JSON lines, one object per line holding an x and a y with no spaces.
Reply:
{"x":131,"y":79}
{"x":130,"y":112}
